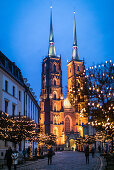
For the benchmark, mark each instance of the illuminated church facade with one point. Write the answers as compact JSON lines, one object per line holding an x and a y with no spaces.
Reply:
{"x":57,"y":115}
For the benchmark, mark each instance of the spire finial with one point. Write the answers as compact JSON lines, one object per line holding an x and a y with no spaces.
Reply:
{"x":51,"y":38}
{"x":75,"y":46}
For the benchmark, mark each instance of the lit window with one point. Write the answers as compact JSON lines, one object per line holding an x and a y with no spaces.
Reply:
{"x":79,"y":122}
{"x":55,"y":108}
{"x":78,"y":69}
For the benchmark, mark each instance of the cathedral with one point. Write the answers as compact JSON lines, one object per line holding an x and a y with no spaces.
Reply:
{"x":57,"y":115}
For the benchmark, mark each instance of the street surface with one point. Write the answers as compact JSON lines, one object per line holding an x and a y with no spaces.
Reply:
{"x":66,"y":160}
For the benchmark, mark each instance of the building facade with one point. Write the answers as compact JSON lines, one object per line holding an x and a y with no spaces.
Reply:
{"x":16,"y":96}
{"x":73,"y":119}
{"x":58,"y":116}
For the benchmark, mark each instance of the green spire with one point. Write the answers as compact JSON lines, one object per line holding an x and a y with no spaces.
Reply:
{"x":75,"y":55}
{"x":51,"y":51}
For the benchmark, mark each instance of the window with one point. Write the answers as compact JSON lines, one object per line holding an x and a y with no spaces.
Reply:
{"x":13,"y":109}
{"x":54,"y":96}
{"x":13,"y":90}
{"x":70,"y":69}
{"x":6,"y":106}
{"x":54,"y":68}
{"x":19,"y":95}
{"x":54,"y":82}
{"x":79,"y":122}
{"x":55,"y":120}
{"x":78,"y":69}
{"x":6,"y":85}
{"x":67,"y":124}
{"x":55,"y":108}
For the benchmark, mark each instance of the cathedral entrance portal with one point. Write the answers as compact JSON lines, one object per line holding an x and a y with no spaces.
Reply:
{"x":72,"y":144}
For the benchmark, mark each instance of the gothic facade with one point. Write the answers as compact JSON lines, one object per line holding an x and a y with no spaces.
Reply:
{"x":57,"y":116}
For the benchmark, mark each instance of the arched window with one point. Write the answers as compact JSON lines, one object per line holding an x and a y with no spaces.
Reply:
{"x":54,"y":96}
{"x":55,"y":131}
{"x":54,"y":82}
{"x":67,"y":124}
{"x":78,"y":69}
{"x":79,"y":122}
{"x":55,"y":120}
{"x":70,"y":69}
{"x":54,"y":68}
{"x":55,"y":107}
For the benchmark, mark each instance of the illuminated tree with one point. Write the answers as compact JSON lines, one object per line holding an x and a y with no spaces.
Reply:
{"x":16,"y":129}
{"x":100,"y":81}
{"x":51,"y":140}
{"x":5,"y":124}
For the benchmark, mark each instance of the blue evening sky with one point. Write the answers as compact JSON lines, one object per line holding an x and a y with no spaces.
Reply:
{"x":24,"y":33}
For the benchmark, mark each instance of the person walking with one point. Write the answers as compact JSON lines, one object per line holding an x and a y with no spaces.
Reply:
{"x":50,"y":154}
{"x":87,"y":154}
{"x":8,"y":157}
{"x":93,"y":152}
{"x":15,"y":158}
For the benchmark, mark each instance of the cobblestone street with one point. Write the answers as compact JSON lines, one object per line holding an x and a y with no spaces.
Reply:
{"x":66,"y":160}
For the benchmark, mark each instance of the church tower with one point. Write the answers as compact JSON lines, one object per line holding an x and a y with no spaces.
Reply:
{"x":51,"y":98}
{"x":73,"y":121}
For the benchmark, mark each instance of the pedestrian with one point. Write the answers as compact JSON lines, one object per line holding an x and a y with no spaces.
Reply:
{"x":99,"y":148}
{"x":15,"y":158}
{"x":87,"y":154}
{"x":8,"y":157}
{"x":50,"y":154}
{"x":24,"y":153}
{"x":35,"y":151}
{"x":93,"y":152}
{"x":28,"y":151}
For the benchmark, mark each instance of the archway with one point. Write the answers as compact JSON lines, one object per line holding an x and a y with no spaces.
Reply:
{"x":72,"y":144}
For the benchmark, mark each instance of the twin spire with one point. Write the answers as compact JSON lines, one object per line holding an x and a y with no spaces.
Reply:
{"x":51,"y":51}
{"x":75,"y":55}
